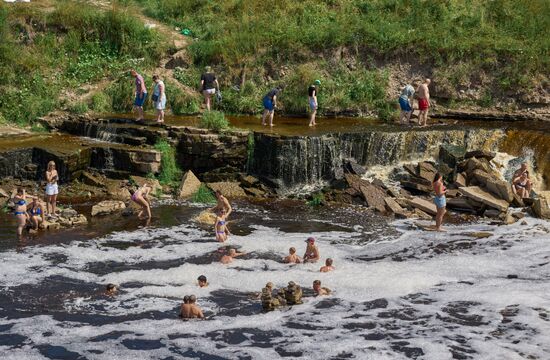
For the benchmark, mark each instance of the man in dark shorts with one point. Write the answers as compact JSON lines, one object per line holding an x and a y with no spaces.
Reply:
{"x":209,"y":84}
{"x":141,"y":94}
{"x":405,"y":102}
{"x":270,"y":103}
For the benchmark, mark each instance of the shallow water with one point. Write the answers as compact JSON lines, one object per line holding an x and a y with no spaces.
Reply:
{"x":398,"y":292}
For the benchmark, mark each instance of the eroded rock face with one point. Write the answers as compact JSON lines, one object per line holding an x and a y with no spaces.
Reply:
{"x":190,"y":184}
{"x":107,"y":207}
{"x":541,"y":205}
{"x":228,"y":189}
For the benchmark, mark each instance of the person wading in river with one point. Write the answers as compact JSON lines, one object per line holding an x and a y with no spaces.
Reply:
{"x":270,"y":103}
{"x":19,"y":198}
{"x":228,"y":258}
{"x":141,"y":197}
{"x":52,"y":189}
{"x":312,"y":100}
{"x":190,"y":310}
{"x":219,"y":226}
{"x":209,"y":84}
{"x":439,"y":200}
{"x":423,"y":94}
{"x":222,"y":204}
{"x":140,"y":94}
{"x":292,"y":258}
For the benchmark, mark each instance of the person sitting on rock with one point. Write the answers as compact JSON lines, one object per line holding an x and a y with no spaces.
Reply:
{"x":293,"y":293}
{"x":228,"y":258}
{"x":292,"y":258}
{"x":202,"y":282}
{"x":220,"y":227}
{"x":522,"y":185}
{"x":312,"y":252}
{"x":523,"y":169}
{"x":36,"y":214}
{"x":320,"y":291}
{"x":190,"y":310}
{"x":328,"y":266}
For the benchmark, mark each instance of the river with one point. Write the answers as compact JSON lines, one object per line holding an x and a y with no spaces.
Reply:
{"x":479,"y":291}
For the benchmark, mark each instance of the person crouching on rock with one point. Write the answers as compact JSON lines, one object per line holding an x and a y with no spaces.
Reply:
{"x":19,"y":198}
{"x":522,"y":185}
{"x":439,"y":200}
{"x":312,"y":252}
{"x":141,"y":197}
{"x":319,"y":290}
{"x":36,"y":214}
{"x":189,"y":309}
{"x":219,"y":226}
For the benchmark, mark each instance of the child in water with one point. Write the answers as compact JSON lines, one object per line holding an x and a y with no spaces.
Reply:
{"x":292,"y":258}
{"x":228,"y":258}
{"x":319,"y":290}
{"x":220,"y":226}
{"x":328,"y":266}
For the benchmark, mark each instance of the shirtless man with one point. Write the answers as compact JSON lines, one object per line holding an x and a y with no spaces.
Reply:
{"x":292,"y":258}
{"x":190,"y":310}
{"x":423,"y":94}
{"x":223,"y":204}
{"x":202,"y":282}
{"x":312,"y":252}
{"x":319,"y":290}
{"x":328,"y":266}
{"x":228,"y":258}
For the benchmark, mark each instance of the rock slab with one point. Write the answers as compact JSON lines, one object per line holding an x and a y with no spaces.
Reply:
{"x":107,"y":207}
{"x":478,"y":194}
{"x":424,"y":205}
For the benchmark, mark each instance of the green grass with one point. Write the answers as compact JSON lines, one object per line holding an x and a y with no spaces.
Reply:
{"x":317,"y":199}
{"x":170,"y":173}
{"x":78,"y":108}
{"x":204,"y":195}
{"x":214,"y":120}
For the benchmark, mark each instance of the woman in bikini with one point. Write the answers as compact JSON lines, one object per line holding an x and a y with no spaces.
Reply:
{"x":36,"y":213}
{"x":51,"y":189}
{"x":439,"y":200}
{"x":522,"y":185}
{"x":19,"y":198}
{"x":219,"y":226}
{"x":140,"y":197}
{"x":312,"y":252}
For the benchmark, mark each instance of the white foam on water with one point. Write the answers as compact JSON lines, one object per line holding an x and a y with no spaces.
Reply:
{"x":432,"y":301}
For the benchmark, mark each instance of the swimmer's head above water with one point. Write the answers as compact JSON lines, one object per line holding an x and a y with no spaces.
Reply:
{"x":203,"y":282}
{"x":111,"y":289}
{"x":292,"y":251}
{"x":186,"y":299}
{"x":310,"y":240}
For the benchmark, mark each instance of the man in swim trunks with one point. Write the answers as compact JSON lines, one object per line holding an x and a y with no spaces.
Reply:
{"x":270,"y":103}
{"x":319,"y":290}
{"x":141,"y":94}
{"x":312,"y":252}
{"x":292,"y":258}
{"x":190,"y":310}
{"x":202,"y":281}
{"x":405,"y":102}
{"x":328,"y":266}
{"x":228,"y":258}
{"x":423,"y":94}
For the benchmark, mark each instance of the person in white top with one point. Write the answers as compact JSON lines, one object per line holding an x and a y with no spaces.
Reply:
{"x":159,"y":98}
{"x":51,"y":189}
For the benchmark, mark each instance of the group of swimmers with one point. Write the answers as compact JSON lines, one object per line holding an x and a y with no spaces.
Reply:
{"x":33,"y":214}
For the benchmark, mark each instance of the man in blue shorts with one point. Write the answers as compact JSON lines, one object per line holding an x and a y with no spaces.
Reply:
{"x":270,"y":103}
{"x":405,"y":102}
{"x":141,"y":94}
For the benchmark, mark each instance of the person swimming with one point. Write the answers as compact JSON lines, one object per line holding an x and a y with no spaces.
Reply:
{"x":312,"y":252}
{"x":328,"y":266}
{"x":220,"y":227}
{"x":319,"y":290}
{"x":36,"y":213}
{"x":292,"y":258}
{"x":228,"y":258}
{"x":140,"y":197}
{"x":111,"y":289}
{"x":202,"y":281}
{"x":19,"y":198}
{"x":189,"y":309}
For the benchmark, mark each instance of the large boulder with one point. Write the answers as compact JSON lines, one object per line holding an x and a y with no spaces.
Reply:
{"x":426,"y":171}
{"x":116,"y":190}
{"x":228,"y":189}
{"x":394,"y":207}
{"x":417,"y":184}
{"x":374,"y":196}
{"x":451,"y":154}
{"x":460,"y":204}
{"x":460,"y":180}
{"x":480,"y":154}
{"x":190,"y":184}
{"x":91,"y":179}
{"x":424,"y":205}
{"x":478,"y":194}
{"x":351,"y":166}
{"x":107,"y":207}
{"x":500,"y":188}
{"x":541,"y":205}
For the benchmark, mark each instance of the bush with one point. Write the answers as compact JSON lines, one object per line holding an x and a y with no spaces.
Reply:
{"x":204,"y":195}
{"x":78,"y":108}
{"x":169,"y":170}
{"x":182,"y":102}
{"x":121,"y":92}
{"x":101,"y":102}
{"x":317,"y":199}
{"x":214,"y":120}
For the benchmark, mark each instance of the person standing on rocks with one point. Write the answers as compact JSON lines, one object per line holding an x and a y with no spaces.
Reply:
{"x":405,"y":102}
{"x":159,"y":98}
{"x":141,"y":94}
{"x":439,"y":200}
{"x":423,"y":94}
{"x":52,"y":189}
{"x":313,"y":104}
{"x":209,"y":84}
{"x":270,"y":103}
{"x":140,"y":197}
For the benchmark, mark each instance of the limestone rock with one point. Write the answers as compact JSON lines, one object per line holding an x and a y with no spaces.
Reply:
{"x":351,"y":166}
{"x":424,"y":205}
{"x":421,"y":214}
{"x":190,"y":184}
{"x":374,"y":196}
{"x":68,"y":212}
{"x":417,"y":184}
{"x":107,"y":207}
{"x":478,"y":194}
{"x":79,"y":220}
{"x":92,"y":180}
{"x":426,"y":171}
{"x":117,"y":191}
{"x":541,"y":205}
{"x":500,"y":188}
{"x":518,"y":215}
{"x":255,"y":192}
{"x":460,"y":204}
{"x":3,"y":193}
{"x":51,"y":225}
{"x":460,"y":180}
{"x":452,"y":193}
{"x":491,"y":213}
{"x":228,"y":189}
{"x":451,"y":154}
{"x":394,"y":207}
{"x":480,"y":154}
{"x":517,"y":201}
{"x":249,"y":181}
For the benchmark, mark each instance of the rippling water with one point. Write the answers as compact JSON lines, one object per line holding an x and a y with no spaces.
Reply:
{"x":398,"y":292}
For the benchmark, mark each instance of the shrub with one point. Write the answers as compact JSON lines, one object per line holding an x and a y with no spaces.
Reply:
{"x":181,"y":102}
{"x":78,"y":108}
{"x":101,"y":102}
{"x":317,"y":200}
{"x":169,"y":170}
{"x":121,"y":92}
{"x":204,"y":195}
{"x":214,"y":120}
